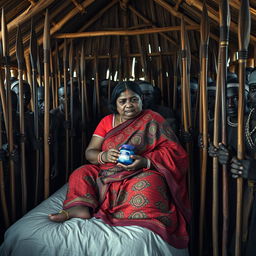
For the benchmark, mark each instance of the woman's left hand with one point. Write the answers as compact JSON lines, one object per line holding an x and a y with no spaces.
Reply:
{"x":139,"y":163}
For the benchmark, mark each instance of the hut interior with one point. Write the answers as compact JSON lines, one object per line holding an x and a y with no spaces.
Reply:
{"x":86,"y":47}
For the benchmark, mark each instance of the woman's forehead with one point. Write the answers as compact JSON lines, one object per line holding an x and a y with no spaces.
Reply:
{"x":127,"y":94}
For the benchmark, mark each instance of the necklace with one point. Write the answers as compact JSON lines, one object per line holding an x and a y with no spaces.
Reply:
{"x":249,"y":133}
{"x":230,"y":123}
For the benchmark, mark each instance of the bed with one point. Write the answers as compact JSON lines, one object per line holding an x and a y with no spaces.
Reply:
{"x":35,"y":235}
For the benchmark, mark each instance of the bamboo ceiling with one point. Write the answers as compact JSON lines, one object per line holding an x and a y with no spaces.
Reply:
{"x":111,"y":27}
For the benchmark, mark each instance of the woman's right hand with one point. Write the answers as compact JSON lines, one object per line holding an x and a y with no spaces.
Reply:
{"x":111,"y":156}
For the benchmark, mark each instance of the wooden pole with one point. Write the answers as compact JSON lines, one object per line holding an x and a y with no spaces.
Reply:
{"x":46,"y":46}
{"x":33,"y":59}
{"x":124,"y":32}
{"x":204,"y":32}
{"x":244,"y":25}
{"x":20,"y":60}
{"x":71,"y":70}
{"x":65,"y":70}
{"x":224,"y":40}
{"x":5,"y":42}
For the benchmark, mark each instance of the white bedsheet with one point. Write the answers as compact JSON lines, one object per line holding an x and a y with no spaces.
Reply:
{"x":35,"y":235}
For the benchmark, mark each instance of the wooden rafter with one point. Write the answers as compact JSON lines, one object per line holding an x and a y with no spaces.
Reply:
{"x":177,"y":14}
{"x":78,"y":6}
{"x":154,"y":26}
{"x":63,"y":21}
{"x":177,"y":5}
{"x":28,"y":14}
{"x":124,"y":32}
{"x":215,"y":16}
{"x":40,"y":26}
{"x":98,"y":15}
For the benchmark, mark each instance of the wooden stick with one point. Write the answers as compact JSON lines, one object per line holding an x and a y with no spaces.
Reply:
{"x":204,"y":32}
{"x":47,"y":48}
{"x":20,"y":60}
{"x":5,"y":42}
{"x":243,"y":42}
{"x":124,"y":32}
{"x":224,"y":39}
{"x":65,"y":70}
{"x":33,"y":59}
{"x":28,"y":14}
{"x":71,"y":107}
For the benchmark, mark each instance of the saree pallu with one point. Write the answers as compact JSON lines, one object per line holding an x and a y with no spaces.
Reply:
{"x":153,"y":198}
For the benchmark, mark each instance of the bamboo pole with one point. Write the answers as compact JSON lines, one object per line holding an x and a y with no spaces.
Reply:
{"x":47,"y":48}
{"x":28,"y":14}
{"x":177,"y":14}
{"x":224,"y":39}
{"x":65,"y":70}
{"x":20,"y":60}
{"x":244,"y":25}
{"x":5,"y":42}
{"x":154,"y":26}
{"x":124,"y":32}
{"x":204,"y":32}
{"x":214,"y":15}
{"x":71,"y":107}
{"x":33,"y":59}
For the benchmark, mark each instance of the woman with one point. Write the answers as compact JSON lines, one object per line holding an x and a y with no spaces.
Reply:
{"x":151,"y":192}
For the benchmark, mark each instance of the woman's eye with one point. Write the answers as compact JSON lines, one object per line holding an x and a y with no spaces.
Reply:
{"x":122,"y":102}
{"x":134,"y":100}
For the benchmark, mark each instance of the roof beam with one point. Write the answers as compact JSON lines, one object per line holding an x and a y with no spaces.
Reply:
{"x":125,"y":32}
{"x":148,"y":21}
{"x":215,"y":16}
{"x":177,"y":14}
{"x":28,"y":14}
{"x":62,"y":22}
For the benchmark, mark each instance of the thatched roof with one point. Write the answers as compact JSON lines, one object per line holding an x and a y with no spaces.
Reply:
{"x":76,"y":16}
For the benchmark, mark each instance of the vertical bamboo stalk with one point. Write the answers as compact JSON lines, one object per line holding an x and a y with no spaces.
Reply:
{"x":65,"y":70}
{"x":46,"y":46}
{"x":20,"y":60}
{"x":224,"y":40}
{"x":204,"y":32}
{"x":5,"y":42}
{"x":244,"y":28}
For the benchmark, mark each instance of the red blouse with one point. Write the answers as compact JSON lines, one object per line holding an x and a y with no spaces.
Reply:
{"x":104,"y":126}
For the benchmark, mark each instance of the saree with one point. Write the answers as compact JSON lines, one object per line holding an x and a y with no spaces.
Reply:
{"x":154,"y":198}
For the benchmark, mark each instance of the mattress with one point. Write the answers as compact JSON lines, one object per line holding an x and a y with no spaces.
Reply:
{"x":34,"y":235}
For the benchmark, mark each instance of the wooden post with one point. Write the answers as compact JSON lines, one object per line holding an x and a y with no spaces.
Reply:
{"x":204,"y":32}
{"x":244,"y":25}
{"x":46,"y":46}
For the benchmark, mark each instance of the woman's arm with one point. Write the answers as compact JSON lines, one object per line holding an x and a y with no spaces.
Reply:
{"x":93,"y":149}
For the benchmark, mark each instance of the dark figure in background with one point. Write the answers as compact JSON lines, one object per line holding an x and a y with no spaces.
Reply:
{"x":58,"y":135}
{"x":104,"y":103}
{"x":152,"y":100}
{"x":227,"y":155}
{"x":30,"y":142}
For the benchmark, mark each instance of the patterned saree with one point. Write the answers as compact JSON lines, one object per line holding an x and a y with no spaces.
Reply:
{"x":153,"y":198}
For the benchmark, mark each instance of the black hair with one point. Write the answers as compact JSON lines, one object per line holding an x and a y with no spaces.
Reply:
{"x":121,"y":87}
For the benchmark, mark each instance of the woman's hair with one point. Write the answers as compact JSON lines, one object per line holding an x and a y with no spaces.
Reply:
{"x":121,"y":87}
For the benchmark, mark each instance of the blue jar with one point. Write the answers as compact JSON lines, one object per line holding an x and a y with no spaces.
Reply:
{"x":125,"y":152}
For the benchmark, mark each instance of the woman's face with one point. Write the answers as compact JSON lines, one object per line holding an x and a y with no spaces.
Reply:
{"x":128,"y":104}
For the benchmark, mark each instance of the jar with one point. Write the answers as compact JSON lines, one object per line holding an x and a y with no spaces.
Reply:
{"x":125,"y":152}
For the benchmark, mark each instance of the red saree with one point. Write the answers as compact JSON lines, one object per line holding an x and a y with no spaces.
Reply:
{"x":155,"y":199}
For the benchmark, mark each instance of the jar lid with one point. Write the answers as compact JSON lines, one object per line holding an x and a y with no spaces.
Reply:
{"x":127,"y":146}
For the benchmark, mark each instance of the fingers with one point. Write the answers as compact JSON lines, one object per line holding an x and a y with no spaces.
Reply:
{"x":223,"y":148}
{"x":112,"y":155}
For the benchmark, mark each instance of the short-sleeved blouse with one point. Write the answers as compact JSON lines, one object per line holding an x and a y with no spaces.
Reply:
{"x":104,"y":126}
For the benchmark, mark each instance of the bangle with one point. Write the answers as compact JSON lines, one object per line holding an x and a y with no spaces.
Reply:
{"x":100,"y":161}
{"x":148,"y":163}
